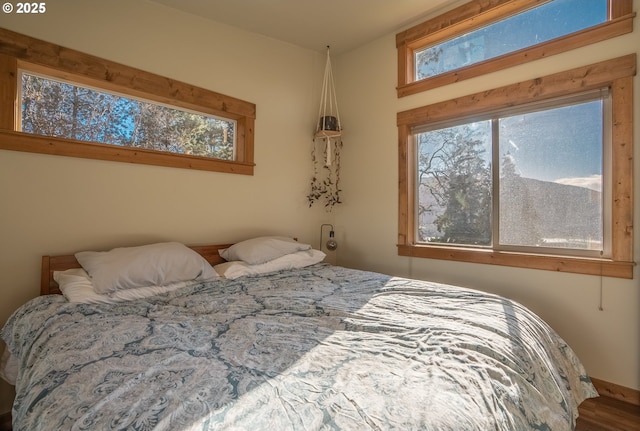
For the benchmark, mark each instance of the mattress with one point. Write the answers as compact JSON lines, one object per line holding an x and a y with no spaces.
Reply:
{"x":317,"y":348}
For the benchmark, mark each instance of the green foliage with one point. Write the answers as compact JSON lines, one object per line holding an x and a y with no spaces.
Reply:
{"x":325,"y":184}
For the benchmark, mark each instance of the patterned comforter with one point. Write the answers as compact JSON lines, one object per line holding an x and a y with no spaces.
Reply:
{"x":318,"y":348}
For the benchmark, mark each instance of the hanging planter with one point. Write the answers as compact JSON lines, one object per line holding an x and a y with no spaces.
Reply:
{"x":328,"y":124}
{"x":328,"y":138}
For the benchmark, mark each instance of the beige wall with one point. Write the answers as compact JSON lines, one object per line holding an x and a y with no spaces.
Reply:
{"x":607,"y":341}
{"x":52,"y":204}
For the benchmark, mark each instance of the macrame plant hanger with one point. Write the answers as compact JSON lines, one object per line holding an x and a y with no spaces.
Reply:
{"x":328,"y":115}
{"x":325,"y":183}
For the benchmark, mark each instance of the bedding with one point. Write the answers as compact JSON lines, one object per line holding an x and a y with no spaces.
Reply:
{"x":262,"y":249}
{"x":146,"y":265}
{"x":8,"y":367}
{"x":76,"y":286}
{"x":314,"y":348}
{"x":299,"y":259}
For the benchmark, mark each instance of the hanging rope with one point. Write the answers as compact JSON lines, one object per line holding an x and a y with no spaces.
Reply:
{"x":328,"y":99}
{"x":328,"y":113}
{"x":325,"y":184}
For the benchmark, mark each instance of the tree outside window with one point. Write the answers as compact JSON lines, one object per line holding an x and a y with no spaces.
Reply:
{"x":54,"y":108}
{"x":548,"y":191}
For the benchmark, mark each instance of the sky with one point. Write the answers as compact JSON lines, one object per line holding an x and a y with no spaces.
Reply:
{"x":556,"y":144}
{"x":533,"y":26}
{"x":562,"y":144}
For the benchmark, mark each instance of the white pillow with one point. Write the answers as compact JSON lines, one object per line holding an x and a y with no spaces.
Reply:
{"x":76,"y":286}
{"x":300,"y":259}
{"x":262,"y":249}
{"x":148,"y":265}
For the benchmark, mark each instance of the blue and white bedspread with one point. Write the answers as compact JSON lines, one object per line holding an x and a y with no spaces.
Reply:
{"x":319,"y":348}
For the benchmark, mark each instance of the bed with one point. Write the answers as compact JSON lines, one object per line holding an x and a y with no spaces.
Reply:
{"x":305,"y":347}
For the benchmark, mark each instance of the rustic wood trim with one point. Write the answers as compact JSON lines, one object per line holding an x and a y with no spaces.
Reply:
{"x":145,"y":85}
{"x":622,"y":168}
{"x":246,"y":130}
{"x":45,"y":275}
{"x":443,"y":26}
{"x":599,"y":267}
{"x":406,"y":146}
{"x":558,"y":84}
{"x":556,"y":46}
{"x":405,"y":65}
{"x":18,"y":51}
{"x":88,"y":69}
{"x":620,"y":393}
{"x":8,"y":91}
{"x":618,"y":75}
{"x":486,"y":9}
{"x":463,"y":19}
{"x":25,"y":142}
{"x":618,"y":8}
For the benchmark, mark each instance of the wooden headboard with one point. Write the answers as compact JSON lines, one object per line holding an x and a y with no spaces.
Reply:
{"x":60,"y":263}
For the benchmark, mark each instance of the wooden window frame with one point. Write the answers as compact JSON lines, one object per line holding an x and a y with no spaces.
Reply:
{"x":617,"y":74}
{"x":18,"y":51}
{"x":479,"y":13}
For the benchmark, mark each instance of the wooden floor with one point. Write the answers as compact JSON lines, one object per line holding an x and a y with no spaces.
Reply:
{"x":608,"y":414}
{"x":5,"y":422}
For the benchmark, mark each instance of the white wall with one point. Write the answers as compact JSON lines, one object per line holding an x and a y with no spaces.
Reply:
{"x":608,"y":341}
{"x":59,"y":205}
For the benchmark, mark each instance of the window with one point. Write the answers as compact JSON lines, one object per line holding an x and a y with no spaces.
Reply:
{"x":479,"y":37}
{"x":530,"y":27}
{"x":545,"y":193}
{"x":54,"y":108}
{"x":536,"y":174}
{"x":78,"y":105}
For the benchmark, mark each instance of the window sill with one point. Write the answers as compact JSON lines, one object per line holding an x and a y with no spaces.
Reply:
{"x":19,"y":141}
{"x":576,"y":265}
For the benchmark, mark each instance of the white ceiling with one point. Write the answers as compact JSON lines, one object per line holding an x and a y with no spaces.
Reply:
{"x":314,"y":24}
